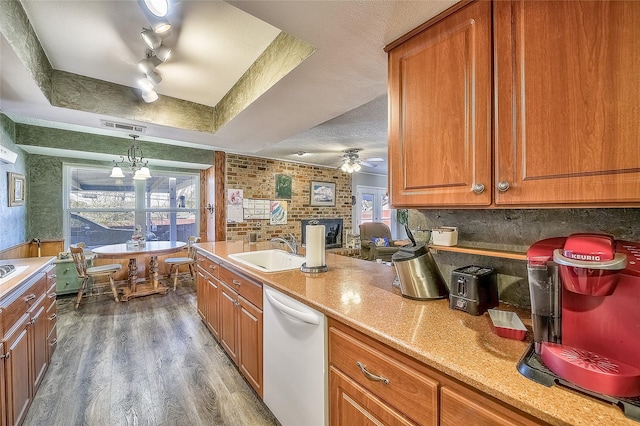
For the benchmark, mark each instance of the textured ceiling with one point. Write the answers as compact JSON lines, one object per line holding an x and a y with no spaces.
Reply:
{"x":215,"y":43}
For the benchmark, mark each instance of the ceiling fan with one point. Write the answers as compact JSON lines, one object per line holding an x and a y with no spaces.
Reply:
{"x":351,"y":161}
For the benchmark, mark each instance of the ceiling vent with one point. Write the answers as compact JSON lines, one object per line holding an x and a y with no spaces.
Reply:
{"x":123,"y":126}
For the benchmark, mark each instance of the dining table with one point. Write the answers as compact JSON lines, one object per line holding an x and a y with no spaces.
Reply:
{"x":137,"y":255}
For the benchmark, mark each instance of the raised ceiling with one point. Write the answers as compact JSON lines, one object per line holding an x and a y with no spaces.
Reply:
{"x":341,"y":70}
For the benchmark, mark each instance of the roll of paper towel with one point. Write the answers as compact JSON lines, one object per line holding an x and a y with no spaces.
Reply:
{"x":315,"y":239}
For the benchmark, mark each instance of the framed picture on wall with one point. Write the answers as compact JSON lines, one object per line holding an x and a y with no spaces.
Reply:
{"x":283,"y":187}
{"x":322,"y":194}
{"x":17,"y":188}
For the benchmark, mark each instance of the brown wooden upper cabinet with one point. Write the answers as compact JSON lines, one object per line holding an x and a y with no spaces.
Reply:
{"x":565,"y":106}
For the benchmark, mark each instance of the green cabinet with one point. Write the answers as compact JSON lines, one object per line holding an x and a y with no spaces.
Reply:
{"x":67,"y":277}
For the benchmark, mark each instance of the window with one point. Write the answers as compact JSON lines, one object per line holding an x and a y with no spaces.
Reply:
{"x":373,"y":206}
{"x":101,"y":210}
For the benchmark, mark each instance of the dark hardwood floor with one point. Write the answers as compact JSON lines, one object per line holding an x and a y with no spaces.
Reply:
{"x":149,"y":361}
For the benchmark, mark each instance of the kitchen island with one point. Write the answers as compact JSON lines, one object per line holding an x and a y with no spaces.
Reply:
{"x":360,"y":295}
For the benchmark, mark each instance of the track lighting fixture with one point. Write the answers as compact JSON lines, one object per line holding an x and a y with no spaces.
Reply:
{"x":162,"y":52}
{"x":149,"y":96}
{"x":159,"y":8}
{"x":150,"y":38}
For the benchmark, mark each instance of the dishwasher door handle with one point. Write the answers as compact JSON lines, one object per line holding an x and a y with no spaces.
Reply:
{"x":308,"y":317}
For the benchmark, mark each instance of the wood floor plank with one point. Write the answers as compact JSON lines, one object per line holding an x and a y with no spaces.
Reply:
{"x":149,"y":361}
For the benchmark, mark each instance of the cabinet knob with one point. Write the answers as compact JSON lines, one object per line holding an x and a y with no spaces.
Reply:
{"x":478,"y":188}
{"x":503,"y":186}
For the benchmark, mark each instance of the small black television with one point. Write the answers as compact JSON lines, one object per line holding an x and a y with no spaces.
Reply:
{"x":332,"y":228}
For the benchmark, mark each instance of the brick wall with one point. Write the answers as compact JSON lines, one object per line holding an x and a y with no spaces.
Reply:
{"x":256,"y":177}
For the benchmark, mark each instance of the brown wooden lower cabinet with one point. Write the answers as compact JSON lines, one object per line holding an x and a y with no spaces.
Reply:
{"x":250,"y":340}
{"x":230,"y":304}
{"x":16,"y":368}
{"x":229,"y":322}
{"x":351,"y":404}
{"x":28,"y":331}
{"x":371,"y":383}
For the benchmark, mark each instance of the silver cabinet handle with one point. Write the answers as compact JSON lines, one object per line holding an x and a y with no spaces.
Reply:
{"x":370,"y":375}
{"x":236,"y":282}
{"x":52,"y":317}
{"x":53,"y":342}
{"x":30,"y":297}
{"x":5,"y":356}
{"x":503,"y":186}
{"x":478,"y":188}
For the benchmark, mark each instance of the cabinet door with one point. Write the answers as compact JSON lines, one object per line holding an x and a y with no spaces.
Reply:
{"x":201,"y":294}
{"x":229,"y":321}
{"x":352,"y":405}
{"x":3,"y":409}
{"x":250,"y":360}
{"x":440,"y":113}
{"x":567,"y":128}
{"x":38,"y":333}
{"x":17,"y":371}
{"x":213,"y":307}
{"x":456,"y":409}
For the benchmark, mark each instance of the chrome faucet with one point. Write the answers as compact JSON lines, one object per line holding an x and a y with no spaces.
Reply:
{"x":292,"y":243}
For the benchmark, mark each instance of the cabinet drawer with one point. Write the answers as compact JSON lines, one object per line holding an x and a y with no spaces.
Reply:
{"x":249,"y":289}
{"x":457,"y":407}
{"x":23,"y":303}
{"x":408,"y":390}
{"x":207,"y":265}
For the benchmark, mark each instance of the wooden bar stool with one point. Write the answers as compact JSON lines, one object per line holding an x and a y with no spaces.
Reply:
{"x":176,"y":262}
{"x":85,"y":273}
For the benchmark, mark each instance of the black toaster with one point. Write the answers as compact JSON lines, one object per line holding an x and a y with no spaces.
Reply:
{"x":474,"y":289}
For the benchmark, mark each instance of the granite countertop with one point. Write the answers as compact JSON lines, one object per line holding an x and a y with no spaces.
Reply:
{"x":359,"y":293}
{"x":26,"y":268}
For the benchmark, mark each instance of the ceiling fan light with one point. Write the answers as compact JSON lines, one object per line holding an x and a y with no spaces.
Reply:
{"x":163,"y":52}
{"x":116,"y":172}
{"x":159,"y":8}
{"x":149,"y":96}
{"x":357,"y":167}
{"x":150,"y":38}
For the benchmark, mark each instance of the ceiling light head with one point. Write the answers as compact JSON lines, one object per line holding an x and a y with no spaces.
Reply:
{"x":145,"y":84}
{"x":116,"y":172}
{"x":300,"y":153}
{"x":150,"y":38}
{"x":159,"y":8}
{"x":154,"y":77}
{"x":161,"y":27}
{"x":149,"y":96}
{"x":163,"y":52}
{"x":146,"y":65}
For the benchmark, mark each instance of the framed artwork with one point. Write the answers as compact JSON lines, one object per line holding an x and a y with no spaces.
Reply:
{"x":283,"y":187}
{"x":322,"y":194}
{"x":278,"y":213}
{"x":17,"y":188}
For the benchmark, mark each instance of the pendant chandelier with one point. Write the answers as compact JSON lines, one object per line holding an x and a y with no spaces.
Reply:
{"x":136,"y":163}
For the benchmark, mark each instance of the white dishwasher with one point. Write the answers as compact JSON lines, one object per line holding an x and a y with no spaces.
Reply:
{"x":294,"y":360}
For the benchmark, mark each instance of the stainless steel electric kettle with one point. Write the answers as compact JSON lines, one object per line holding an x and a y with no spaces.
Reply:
{"x":417,"y":271}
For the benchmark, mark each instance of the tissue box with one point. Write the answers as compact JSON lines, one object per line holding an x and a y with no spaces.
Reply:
{"x":445,"y":236}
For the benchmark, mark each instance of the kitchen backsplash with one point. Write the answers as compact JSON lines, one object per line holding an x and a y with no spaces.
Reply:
{"x":516,"y":230}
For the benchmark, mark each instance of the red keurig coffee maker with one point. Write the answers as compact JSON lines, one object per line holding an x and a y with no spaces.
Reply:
{"x":585,"y":307}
